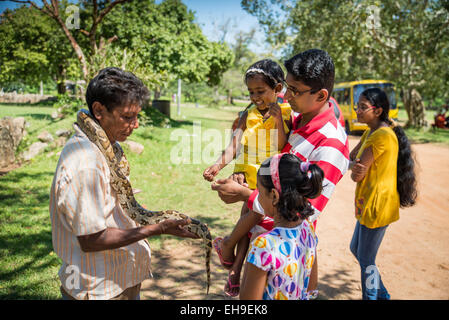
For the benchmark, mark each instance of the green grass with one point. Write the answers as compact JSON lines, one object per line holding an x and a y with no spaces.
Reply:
{"x":28,"y":265}
{"x":38,"y":119}
{"x":425,"y":135}
{"x":428,"y":135}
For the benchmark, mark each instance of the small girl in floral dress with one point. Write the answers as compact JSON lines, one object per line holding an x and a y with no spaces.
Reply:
{"x":280,"y":261}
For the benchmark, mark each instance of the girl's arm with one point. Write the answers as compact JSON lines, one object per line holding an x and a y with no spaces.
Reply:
{"x":234,"y":145}
{"x":354,"y":151}
{"x":353,"y":155}
{"x":253,"y":284}
{"x":362,"y":165}
{"x":230,"y":152}
{"x":276,"y":113}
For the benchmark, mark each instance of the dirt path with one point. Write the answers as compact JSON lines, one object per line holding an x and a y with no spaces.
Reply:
{"x":413,"y":258}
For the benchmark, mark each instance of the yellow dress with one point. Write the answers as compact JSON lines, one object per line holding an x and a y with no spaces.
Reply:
{"x":376,"y":196}
{"x":259,"y":142}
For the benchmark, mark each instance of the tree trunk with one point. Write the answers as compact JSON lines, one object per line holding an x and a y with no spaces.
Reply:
{"x":216,"y":95}
{"x":229,"y":98}
{"x":157,"y":93}
{"x":60,"y":80}
{"x":414,"y":106}
{"x":52,"y":10}
{"x":75,"y":46}
{"x":61,"y":87}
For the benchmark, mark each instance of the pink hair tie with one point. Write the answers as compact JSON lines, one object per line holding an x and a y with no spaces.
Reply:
{"x":304,"y":166}
{"x":274,"y":171}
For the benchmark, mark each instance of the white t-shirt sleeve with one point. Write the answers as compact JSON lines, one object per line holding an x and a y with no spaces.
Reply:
{"x":257,"y":206}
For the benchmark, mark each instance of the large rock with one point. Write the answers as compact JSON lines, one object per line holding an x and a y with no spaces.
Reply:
{"x":45,"y":136}
{"x":34,"y":150}
{"x":63,"y":133}
{"x":12,"y":131}
{"x":134,"y":146}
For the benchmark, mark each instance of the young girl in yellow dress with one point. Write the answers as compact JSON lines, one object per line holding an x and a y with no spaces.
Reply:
{"x":384,"y":171}
{"x":261,"y":133}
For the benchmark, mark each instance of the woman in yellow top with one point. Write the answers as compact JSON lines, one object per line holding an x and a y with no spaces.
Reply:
{"x":261,"y":133}
{"x":383,"y":167}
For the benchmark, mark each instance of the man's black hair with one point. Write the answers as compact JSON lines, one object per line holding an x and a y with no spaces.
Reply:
{"x":314,"y":68}
{"x":113,"y":87}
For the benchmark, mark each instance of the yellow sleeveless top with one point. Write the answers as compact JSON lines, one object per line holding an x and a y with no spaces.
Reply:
{"x":376,"y":196}
{"x":259,"y":142}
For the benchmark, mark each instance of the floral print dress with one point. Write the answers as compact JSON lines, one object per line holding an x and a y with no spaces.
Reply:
{"x":287,"y":254}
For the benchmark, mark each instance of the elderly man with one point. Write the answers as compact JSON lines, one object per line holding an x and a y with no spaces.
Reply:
{"x":104,"y":253}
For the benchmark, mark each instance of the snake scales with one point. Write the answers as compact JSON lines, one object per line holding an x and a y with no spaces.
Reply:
{"x":119,"y":168}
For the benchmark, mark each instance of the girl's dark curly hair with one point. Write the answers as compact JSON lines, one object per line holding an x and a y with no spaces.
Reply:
{"x":406,"y":178}
{"x":297,"y":186}
{"x":272,"y":72}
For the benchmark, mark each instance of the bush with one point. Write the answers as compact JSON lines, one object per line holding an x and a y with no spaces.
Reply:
{"x":67,"y":105}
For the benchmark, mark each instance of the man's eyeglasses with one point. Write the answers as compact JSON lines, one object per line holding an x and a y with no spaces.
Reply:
{"x":296,"y":93}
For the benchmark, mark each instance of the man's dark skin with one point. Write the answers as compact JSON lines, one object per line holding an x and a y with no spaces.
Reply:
{"x":118,"y":125}
{"x":113,"y":238}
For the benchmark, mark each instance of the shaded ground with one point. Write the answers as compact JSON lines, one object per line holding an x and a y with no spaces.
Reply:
{"x":413,"y":258}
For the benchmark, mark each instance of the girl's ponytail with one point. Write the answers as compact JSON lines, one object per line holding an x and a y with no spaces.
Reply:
{"x":313,"y":186}
{"x":406,"y":178}
{"x":309,"y":185}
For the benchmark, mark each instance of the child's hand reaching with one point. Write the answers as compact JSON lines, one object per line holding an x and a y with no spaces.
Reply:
{"x":275,"y":111}
{"x":239,"y":177}
{"x":210,"y":173}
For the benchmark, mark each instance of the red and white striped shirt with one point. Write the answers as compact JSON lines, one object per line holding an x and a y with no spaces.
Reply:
{"x":322,"y":141}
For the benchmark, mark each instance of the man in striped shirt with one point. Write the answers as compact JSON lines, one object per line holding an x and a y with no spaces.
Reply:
{"x":316,"y":136}
{"x":104,"y":253}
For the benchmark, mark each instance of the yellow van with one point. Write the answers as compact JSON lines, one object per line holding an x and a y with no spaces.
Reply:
{"x":347,"y":95}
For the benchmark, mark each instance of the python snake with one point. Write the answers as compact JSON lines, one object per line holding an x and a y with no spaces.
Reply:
{"x":119,"y":168}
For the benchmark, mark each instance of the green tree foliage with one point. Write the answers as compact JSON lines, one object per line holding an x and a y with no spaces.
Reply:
{"x":32,"y":49}
{"x":232,"y":83}
{"x":61,"y":13}
{"x":402,"y":41}
{"x":158,"y":42}
{"x":166,"y":43}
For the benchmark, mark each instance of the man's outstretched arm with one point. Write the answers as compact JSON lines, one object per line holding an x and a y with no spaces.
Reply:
{"x":113,"y":238}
